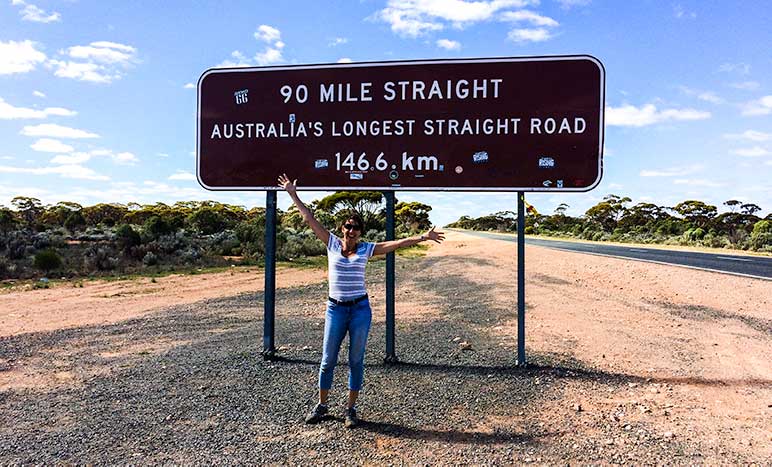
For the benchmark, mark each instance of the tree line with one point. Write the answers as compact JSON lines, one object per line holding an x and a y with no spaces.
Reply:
{"x":69,"y":239}
{"x":690,"y":222}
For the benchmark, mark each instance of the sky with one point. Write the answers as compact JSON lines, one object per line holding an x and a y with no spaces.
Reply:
{"x":98,"y":99}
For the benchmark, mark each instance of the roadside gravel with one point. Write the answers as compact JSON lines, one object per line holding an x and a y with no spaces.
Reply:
{"x":186,"y":385}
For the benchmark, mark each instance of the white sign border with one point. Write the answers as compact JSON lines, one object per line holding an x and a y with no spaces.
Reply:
{"x":601,"y":123}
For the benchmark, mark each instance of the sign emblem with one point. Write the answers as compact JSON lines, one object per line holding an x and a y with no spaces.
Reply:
{"x":241,"y":96}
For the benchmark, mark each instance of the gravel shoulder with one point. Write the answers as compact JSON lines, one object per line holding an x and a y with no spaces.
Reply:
{"x":629,"y":363}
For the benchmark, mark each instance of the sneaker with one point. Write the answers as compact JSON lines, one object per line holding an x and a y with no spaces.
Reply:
{"x":352,"y":419}
{"x":317,"y":414}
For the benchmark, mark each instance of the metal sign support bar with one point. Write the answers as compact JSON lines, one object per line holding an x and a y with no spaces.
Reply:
{"x":269,"y":347}
{"x":520,"y":279}
{"x":391,"y":356}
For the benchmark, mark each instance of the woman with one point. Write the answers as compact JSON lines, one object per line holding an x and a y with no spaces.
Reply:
{"x":348,"y":307}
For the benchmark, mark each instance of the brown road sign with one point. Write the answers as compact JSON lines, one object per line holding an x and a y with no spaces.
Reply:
{"x":498,"y":124}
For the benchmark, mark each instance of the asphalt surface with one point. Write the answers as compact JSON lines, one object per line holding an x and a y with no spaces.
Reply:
{"x":754,"y":266}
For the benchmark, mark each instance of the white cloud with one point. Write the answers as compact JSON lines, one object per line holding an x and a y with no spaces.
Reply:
{"x":698,"y":182}
{"x":104,"y":52}
{"x":741,"y":68}
{"x":344,"y":60}
{"x":75,"y":158}
{"x":120,"y":158}
{"x":707,"y":96}
{"x":9,"y":112}
{"x":98,"y":62}
{"x":163,"y":154}
{"x":750,"y":135}
{"x":56,"y":131}
{"x":530,"y":17}
{"x":338,"y":41}
{"x":413,"y":18}
{"x":19,"y":57}
{"x":762,"y":106}
{"x":529,"y":35}
{"x":746,"y":85}
{"x":679,"y":12}
{"x":90,"y":72}
{"x":66,"y":171}
{"x":34,"y":13}
{"x":182,"y":175}
{"x":51,"y":145}
{"x":269,"y":56}
{"x":630,"y":115}
{"x":189,"y":86}
{"x":566,"y":4}
{"x":239,"y":61}
{"x":267,"y":33}
{"x":38,"y":94}
{"x":755,"y":151}
{"x":672,"y":171}
{"x":124,"y":158}
{"x":448,"y":44}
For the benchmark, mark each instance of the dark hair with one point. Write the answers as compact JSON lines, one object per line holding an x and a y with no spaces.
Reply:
{"x":353,"y":215}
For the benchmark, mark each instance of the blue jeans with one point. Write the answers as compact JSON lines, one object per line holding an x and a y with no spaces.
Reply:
{"x":339,"y":320}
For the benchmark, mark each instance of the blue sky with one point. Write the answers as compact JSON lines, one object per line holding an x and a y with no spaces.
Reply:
{"x":98,"y":99}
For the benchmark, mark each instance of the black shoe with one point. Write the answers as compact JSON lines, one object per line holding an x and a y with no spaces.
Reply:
{"x":317,"y":414}
{"x":352,"y":419}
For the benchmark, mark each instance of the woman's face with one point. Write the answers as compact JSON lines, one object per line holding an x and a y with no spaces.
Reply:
{"x":351,"y":230}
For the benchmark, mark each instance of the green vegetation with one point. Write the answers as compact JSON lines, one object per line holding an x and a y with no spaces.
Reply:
{"x":115,"y":240}
{"x":691,"y":222}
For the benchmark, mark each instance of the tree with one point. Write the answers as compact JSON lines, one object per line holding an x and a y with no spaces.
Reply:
{"x":369,"y":204}
{"x":750,"y":209}
{"x":697,"y":213}
{"x":207,"y":220}
{"x":561,"y":209}
{"x":29,"y":208}
{"x":412,"y":217}
{"x":608,"y":212}
{"x":74,"y":221}
{"x":731,"y":204}
{"x":8,"y":220}
{"x":108,"y":214}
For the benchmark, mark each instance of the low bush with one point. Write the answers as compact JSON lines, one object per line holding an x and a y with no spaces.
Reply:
{"x":47,"y":260}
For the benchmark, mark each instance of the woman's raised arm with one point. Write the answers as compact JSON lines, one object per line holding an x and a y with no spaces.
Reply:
{"x":291,"y":187}
{"x":387,"y":247}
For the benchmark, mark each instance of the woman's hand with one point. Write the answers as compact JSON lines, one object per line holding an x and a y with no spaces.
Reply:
{"x":435,"y":236}
{"x":285,"y":183}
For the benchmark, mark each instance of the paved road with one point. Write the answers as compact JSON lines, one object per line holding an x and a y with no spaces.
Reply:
{"x":755,"y":266}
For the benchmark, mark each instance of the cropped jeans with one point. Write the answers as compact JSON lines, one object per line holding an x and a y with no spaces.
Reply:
{"x":339,"y":320}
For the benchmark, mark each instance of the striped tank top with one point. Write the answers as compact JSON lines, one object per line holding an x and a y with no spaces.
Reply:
{"x":347,"y":275}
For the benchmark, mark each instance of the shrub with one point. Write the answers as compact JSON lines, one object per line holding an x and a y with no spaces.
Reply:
{"x":529,"y":230}
{"x":74,"y":221}
{"x":155,"y":226}
{"x":17,"y":248}
{"x":99,"y":258}
{"x":761,"y":237}
{"x":251,"y":235}
{"x":300,"y":244}
{"x":150,"y":259}
{"x":6,"y":267}
{"x":127,"y":237}
{"x":207,"y":220}
{"x":47,"y":260}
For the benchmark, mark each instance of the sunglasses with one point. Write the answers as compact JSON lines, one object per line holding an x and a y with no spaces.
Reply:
{"x":352,"y":227}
